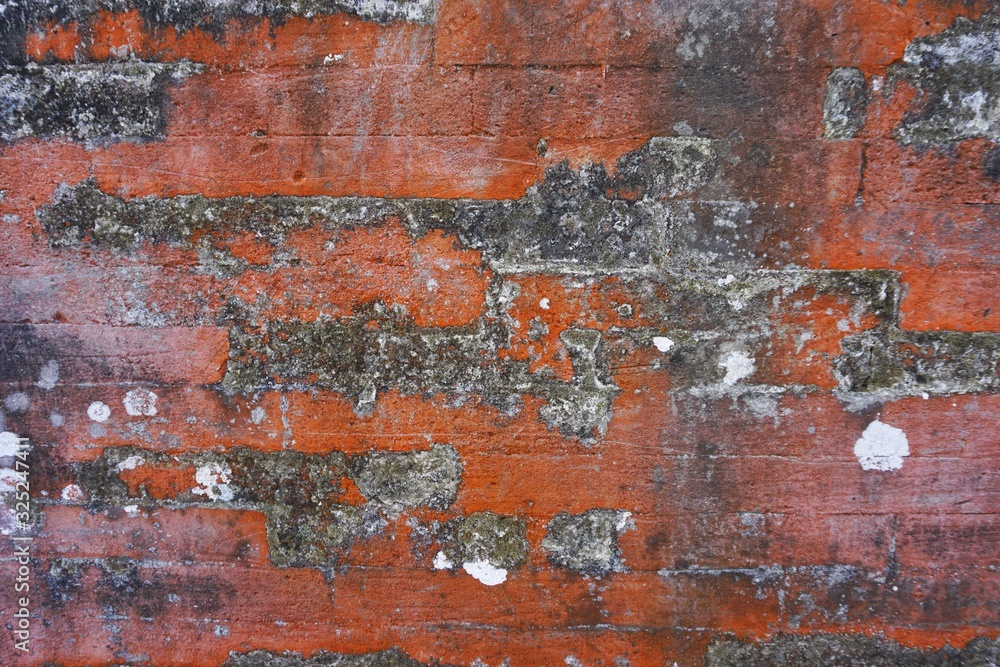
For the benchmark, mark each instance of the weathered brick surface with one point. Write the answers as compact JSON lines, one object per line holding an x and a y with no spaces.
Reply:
{"x":501,"y":333}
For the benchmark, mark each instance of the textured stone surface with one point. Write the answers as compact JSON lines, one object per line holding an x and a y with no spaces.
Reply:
{"x":500,"y":332}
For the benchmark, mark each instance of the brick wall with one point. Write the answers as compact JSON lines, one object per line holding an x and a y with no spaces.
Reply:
{"x":500,"y":333}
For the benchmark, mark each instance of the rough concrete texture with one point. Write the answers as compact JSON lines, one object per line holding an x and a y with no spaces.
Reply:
{"x":499,"y":333}
{"x":586,"y":542}
{"x":837,"y":650}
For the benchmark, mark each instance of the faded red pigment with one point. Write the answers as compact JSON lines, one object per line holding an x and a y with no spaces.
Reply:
{"x":712,"y":284}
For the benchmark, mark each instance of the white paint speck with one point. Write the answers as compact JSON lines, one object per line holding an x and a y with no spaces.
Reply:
{"x":73,"y":493}
{"x":49,"y":375}
{"x":881,"y":447}
{"x":214,"y":481}
{"x":131,"y":510}
{"x":728,"y":280}
{"x":140,"y":402}
{"x":662,"y":343}
{"x":17,"y":402}
{"x":486,"y":572}
{"x":738,"y":366}
{"x":544,"y":304}
{"x":56,"y":419}
{"x":441,"y":562}
{"x":131,"y":463}
{"x":99,"y":412}
{"x":257,"y":415}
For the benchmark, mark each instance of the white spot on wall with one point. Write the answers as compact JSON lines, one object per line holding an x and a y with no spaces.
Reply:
{"x":140,"y":402}
{"x":881,"y":447}
{"x":56,"y":420}
{"x":257,"y":415}
{"x":662,"y":343}
{"x":17,"y":402}
{"x":49,"y":375}
{"x":214,"y":480}
{"x":131,"y":463}
{"x":738,"y":366}
{"x":441,"y":562}
{"x":486,"y":572}
{"x":73,"y":493}
{"x":98,"y":411}
{"x":544,"y":304}
{"x":131,"y":510}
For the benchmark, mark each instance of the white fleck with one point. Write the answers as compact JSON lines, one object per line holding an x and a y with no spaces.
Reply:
{"x":140,"y":402}
{"x":485,"y":572}
{"x":72,"y":492}
{"x":662,"y":343}
{"x":683,"y":128}
{"x":924,"y":395}
{"x":56,"y":420}
{"x":624,"y":521}
{"x":131,"y":463}
{"x":220,"y":631}
{"x":257,"y":415}
{"x":131,"y":510}
{"x":877,"y":83}
{"x":728,"y":280}
{"x":214,"y":480}
{"x":432,"y":285}
{"x":738,"y":366}
{"x":9,"y":444}
{"x":49,"y":375}
{"x":544,"y":304}
{"x":98,"y":411}
{"x":881,"y":447}
{"x":17,"y":402}
{"x":572,"y":661}
{"x":441,"y":562}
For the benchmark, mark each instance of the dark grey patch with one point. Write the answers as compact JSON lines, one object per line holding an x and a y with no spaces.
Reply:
{"x":827,"y":650}
{"x":991,"y":164}
{"x":958,"y":75}
{"x":101,"y":102}
{"x":485,"y":536}
{"x":391,"y":658}
{"x":404,"y":480}
{"x":846,"y":103}
{"x":586,"y":542}
{"x":63,"y":580}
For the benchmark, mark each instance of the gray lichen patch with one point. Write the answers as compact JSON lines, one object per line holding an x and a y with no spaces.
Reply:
{"x":101,"y":102}
{"x":390,"y":658}
{"x":484,"y":537}
{"x":845,"y":104}
{"x":379,"y":348}
{"x":298,"y":493}
{"x":572,"y":222}
{"x":888,"y":363}
{"x":958,"y":75}
{"x":586,"y":542}
{"x":397,"y":481}
{"x":829,"y":650}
